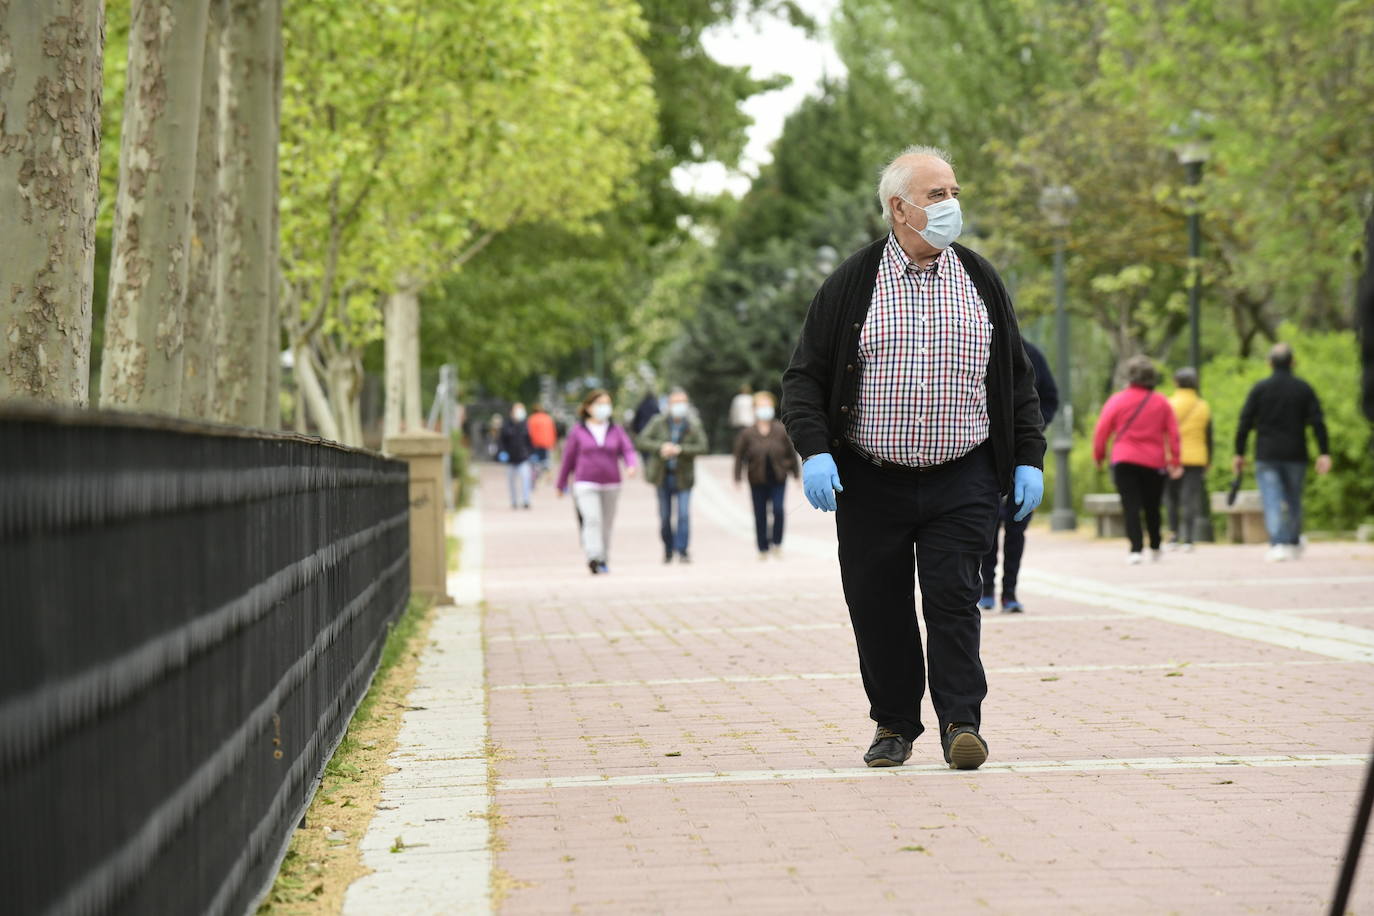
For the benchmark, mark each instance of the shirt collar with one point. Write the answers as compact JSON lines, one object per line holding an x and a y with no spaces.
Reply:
{"x":903,"y":265}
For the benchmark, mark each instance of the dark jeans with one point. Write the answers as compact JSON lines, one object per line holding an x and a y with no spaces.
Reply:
{"x":764,"y":494}
{"x":1141,"y":489}
{"x":1013,"y":546}
{"x":1186,"y":502}
{"x":674,"y":540}
{"x":1280,"y":486}
{"x":947,"y":514}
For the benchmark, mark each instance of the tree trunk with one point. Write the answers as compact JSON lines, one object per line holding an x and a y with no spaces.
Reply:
{"x":141,"y":365}
{"x":394,"y":354}
{"x":247,"y":152}
{"x":272,"y":407}
{"x":311,"y":395}
{"x":51,"y":57}
{"x":202,"y":311}
{"x":410,"y":363}
{"x":344,"y":389}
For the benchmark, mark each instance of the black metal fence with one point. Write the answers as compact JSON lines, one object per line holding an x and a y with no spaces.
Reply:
{"x":188,"y":617}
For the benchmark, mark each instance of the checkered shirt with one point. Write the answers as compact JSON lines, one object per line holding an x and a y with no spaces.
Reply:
{"x":923,"y":362}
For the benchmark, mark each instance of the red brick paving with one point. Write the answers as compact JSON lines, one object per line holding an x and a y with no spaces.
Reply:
{"x":1223,"y":837}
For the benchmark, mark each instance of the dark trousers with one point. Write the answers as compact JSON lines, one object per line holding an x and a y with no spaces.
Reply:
{"x":947,"y":515}
{"x":766,"y":494}
{"x":1141,"y":489}
{"x":1013,"y":546}
{"x":674,"y":539}
{"x":1186,"y":502}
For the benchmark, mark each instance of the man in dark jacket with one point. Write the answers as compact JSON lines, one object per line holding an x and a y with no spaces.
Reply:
{"x":1014,"y":538}
{"x":1279,"y":409}
{"x":912,"y":400}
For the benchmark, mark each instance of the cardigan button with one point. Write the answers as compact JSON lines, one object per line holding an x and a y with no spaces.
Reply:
{"x":834,"y":443}
{"x":856,"y":325}
{"x":844,"y":409}
{"x":849,"y":368}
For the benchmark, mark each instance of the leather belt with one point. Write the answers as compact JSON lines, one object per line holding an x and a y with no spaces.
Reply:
{"x":883,"y":464}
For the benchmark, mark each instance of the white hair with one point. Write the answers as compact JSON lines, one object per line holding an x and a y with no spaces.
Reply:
{"x":895,"y":179}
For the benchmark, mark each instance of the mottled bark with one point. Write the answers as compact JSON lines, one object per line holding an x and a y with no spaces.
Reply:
{"x":51,"y":57}
{"x":272,"y":405}
{"x":247,"y":158}
{"x":202,"y":311}
{"x":145,"y":318}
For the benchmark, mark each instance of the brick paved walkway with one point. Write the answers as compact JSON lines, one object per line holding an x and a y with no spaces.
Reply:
{"x":1164,"y":738}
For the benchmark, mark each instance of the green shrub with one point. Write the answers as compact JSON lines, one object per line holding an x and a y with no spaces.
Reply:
{"x":460,"y":460}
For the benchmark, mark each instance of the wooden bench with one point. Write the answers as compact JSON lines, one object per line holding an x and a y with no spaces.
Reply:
{"x":1244,"y":519}
{"x":1106,"y":509}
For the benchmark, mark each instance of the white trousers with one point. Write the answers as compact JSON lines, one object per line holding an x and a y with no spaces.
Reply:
{"x":597,"y":508}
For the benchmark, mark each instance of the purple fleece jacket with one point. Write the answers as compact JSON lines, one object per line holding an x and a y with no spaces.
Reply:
{"x":584,"y":460}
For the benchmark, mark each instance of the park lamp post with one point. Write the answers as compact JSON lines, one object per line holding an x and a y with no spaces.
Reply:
{"x":1057,"y":203}
{"x":1192,"y":150}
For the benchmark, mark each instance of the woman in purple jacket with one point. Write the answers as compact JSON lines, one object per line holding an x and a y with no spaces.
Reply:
{"x":591,"y":457}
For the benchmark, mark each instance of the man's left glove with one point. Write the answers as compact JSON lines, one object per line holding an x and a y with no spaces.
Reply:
{"x":503,"y":457}
{"x":1028,"y":488}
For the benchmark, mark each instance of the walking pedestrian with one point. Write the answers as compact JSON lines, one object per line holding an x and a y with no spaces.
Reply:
{"x":673,"y":442}
{"x":742,"y":408}
{"x":1144,"y":434}
{"x":909,"y":383}
{"x":765,"y":456}
{"x":648,"y":409}
{"x":1279,"y":409}
{"x":515,"y":452}
{"x":1187,"y":495}
{"x":592,"y":455}
{"x":1014,"y":537}
{"x":543,"y":439}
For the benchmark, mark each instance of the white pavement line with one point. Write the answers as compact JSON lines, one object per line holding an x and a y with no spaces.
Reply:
{"x":841,"y":676}
{"x":1320,"y":637}
{"x":1360,"y":609}
{"x":1010,"y":620}
{"x":1289,"y":630}
{"x":438,"y":801}
{"x":1135,"y":764}
{"x":1266,"y":582}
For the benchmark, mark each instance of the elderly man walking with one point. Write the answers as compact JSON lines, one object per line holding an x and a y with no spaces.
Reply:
{"x":913,"y":403}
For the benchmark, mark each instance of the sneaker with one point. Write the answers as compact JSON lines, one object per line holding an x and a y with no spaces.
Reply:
{"x":985,"y":603}
{"x":763,"y":555}
{"x":776,"y":552}
{"x":605,"y":570}
{"x":1295,"y":550}
{"x":1012,"y":606}
{"x":1134,"y":558}
{"x":594,"y":566}
{"x":965,"y":749}
{"x":683,"y":558}
{"x":1278,"y":553}
{"x":888,"y":749}
{"x":1188,"y":547}
{"x":668,"y":556}
{"x":1156,"y":555}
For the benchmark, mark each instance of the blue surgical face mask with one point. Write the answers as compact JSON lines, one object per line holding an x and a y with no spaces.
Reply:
{"x":601,"y":411}
{"x":944,"y":222}
{"x":763,"y":412}
{"x":678,"y":410}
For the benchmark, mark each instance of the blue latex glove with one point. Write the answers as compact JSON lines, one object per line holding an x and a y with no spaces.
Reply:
{"x":821,"y":481}
{"x":1028,"y":488}
{"x":503,"y":457}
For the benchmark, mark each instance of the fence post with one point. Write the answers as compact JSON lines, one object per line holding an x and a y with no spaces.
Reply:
{"x":425,"y":453}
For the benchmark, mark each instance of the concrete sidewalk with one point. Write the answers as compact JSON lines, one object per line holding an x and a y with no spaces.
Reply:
{"x":682,"y":739}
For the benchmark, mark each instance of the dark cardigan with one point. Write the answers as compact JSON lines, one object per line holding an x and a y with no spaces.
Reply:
{"x":821,"y":382}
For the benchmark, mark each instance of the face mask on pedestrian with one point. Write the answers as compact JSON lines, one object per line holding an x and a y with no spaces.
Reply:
{"x":601,"y":412}
{"x":944,"y":222}
{"x":518,"y":414}
{"x":678,"y":410}
{"x":764,"y":413}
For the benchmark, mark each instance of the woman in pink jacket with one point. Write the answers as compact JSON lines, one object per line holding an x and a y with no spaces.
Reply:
{"x":592,"y":454}
{"x":1145,"y":447}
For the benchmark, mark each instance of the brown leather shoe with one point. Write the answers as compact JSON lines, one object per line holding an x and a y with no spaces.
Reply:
{"x":965,"y":749}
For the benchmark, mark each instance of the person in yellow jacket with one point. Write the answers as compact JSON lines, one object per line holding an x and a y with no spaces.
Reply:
{"x":1187,"y":496}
